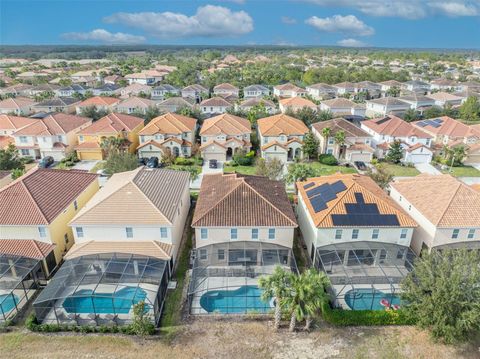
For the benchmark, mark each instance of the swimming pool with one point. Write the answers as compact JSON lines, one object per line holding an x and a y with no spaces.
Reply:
{"x":364,"y":298}
{"x":104,"y":303}
{"x":8,"y":302}
{"x":242,"y":300}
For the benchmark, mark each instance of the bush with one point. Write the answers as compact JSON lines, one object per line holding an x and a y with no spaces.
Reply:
{"x":327,"y":159}
{"x":242,"y":158}
{"x":181,"y":161}
{"x":27,"y":159}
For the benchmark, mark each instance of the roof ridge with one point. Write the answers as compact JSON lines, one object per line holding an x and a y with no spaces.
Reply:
{"x":22,"y":182}
{"x":160,"y":248}
{"x":459,"y":185}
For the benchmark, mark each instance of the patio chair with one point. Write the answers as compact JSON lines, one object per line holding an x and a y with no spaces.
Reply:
{"x":111,"y":318}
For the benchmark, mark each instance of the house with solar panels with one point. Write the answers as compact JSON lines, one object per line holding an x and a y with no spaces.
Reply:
{"x":358,"y":236}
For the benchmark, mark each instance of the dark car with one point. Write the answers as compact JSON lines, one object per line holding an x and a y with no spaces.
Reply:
{"x":212,"y":164}
{"x":152,"y":162}
{"x":46,"y":162}
{"x":360,"y":165}
{"x":142,"y":161}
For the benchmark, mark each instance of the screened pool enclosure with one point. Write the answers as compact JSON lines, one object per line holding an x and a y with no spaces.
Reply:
{"x":102,"y":289}
{"x":365,"y":275}
{"x":19,"y":279}
{"x":225,"y":276}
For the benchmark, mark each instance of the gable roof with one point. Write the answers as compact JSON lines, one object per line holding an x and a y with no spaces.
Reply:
{"x":230,"y":125}
{"x":136,"y":102}
{"x":113,"y":123}
{"x":447,"y":126}
{"x":8,"y":122}
{"x":99,"y":101}
{"x":39,"y":196}
{"x":444,"y":96}
{"x":215,"y":102}
{"x":442,"y":199}
{"x":29,"y":248}
{"x":169,"y":123}
{"x":58,"y":102}
{"x":225,"y":86}
{"x":389,"y":101}
{"x":394,"y":126}
{"x":135,"y":197}
{"x":53,"y":124}
{"x":16,"y":103}
{"x":353,"y":184}
{"x":281,"y":124}
{"x":250,"y":102}
{"x":340,"y":124}
{"x":339,"y":103}
{"x":297,"y":102}
{"x":237,"y":200}
{"x":175,"y":101}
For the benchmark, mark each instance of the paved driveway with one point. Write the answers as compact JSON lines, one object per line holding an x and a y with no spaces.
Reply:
{"x":85,"y":165}
{"x":427,"y":168}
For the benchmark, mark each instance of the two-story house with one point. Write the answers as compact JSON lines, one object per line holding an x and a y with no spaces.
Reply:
{"x":446,"y":210}
{"x":295,"y":104}
{"x":443,"y":99}
{"x":226,"y":90}
{"x":288,"y":90}
{"x":9,"y":124}
{"x":161,"y":91}
{"x":355,"y":147}
{"x":281,"y":137}
{"x":100,"y":103}
{"x":134,"y":89}
{"x":19,"y":106}
{"x":135,"y":105}
{"x":69,"y":91}
{"x":194,"y":91}
{"x":147,"y":77}
{"x":344,"y":88}
{"x":253,"y":91}
{"x":416,"y":86}
{"x":342,"y":106}
{"x":57,"y":104}
{"x":321,"y":91}
{"x":55,"y":135}
{"x":116,"y":125}
{"x":214,"y":106}
{"x":384,"y":106}
{"x":222,"y":135}
{"x":252,"y":102}
{"x":169,"y":132}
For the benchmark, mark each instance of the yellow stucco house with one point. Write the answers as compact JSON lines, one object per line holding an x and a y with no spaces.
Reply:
{"x":35,"y":211}
{"x":114,"y":124}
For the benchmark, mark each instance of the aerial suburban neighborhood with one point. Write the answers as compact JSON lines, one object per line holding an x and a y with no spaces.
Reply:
{"x":192,"y":190}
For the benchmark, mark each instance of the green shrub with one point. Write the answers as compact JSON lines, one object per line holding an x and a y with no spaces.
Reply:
{"x":27,"y":159}
{"x":181,"y":161}
{"x":327,"y":159}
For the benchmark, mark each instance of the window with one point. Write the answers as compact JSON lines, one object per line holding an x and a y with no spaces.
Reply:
{"x":271,"y":233}
{"x":401,"y":253}
{"x":59,"y":138}
{"x":233,"y":233}
{"x":79,"y":231}
{"x":65,"y":238}
{"x":221,"y":254}
{"x":375,"y":233}
{"x":331,"y":140}
{"x":471,"y":233}
{"x":25,"y":152}
{"x":42,"y":231}
{"x":455,"y":233}
{"x":163,"y":232}
{"x":23,"y":139}
{"x":254,"y":233}
{"x":338,"y":234}
{"x":203,"y":254}
{"x":129,"y":232}
{"x":403,"y":233}
{"x":75,"y":205}
{"x":203,"y":233}
{"x":355,"y":234}
{"x":80,"y":138}
{"x":329,"y":151}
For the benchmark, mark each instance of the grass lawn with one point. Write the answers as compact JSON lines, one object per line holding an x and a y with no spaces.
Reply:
{"x":463,"y":171}
{"x":99,"y":166}
{"x":244,"y":170}
{"x":325,"y":170}
{"x":401,"y":171}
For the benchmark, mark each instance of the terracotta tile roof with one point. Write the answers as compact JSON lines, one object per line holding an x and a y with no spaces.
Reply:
{"x":151,"y":142}
{"x":8,"y":122}
{"x":257,"y":101}
{"x":444,"y":96}
{"x":236,"y":200}
{"x":442,"y":199}
{"x":215,"y":102}
{"x":99,"y":101}
{"x":16,"y":103}
{"x":169,"y":123}
{"x":151,"y":248}
{"x":281,"y":124}
{"x":416,"y":146}
{"x":133,"y":102}
{"x":394,"y":126}
{"x":39,"y":196}
{"x":340,"y":103}
{"x":340,"y":124}
{"x":297,"y":102}
{"x":289,"y":86}
{"x":227,"y":124}
{"x":87,"y":146}
{"x":354,"y":183}
{"x":29,"y":248}
{"x":274,"y":143}
{"x":54,"y":124}
{"x":112,"y":124}
{"x":449,"y":127}
{"x":225,"y":86}
{"x":135,"y":197}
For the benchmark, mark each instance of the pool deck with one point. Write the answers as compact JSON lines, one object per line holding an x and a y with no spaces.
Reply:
{"x":21,"y":299}
{"x":340,"y":301}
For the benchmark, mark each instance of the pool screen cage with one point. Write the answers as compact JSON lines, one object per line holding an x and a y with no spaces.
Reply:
{"x":225,"y":276}
{"x":364,"y":265}
{"x":102,"y":289}
{"x":19,"y":279}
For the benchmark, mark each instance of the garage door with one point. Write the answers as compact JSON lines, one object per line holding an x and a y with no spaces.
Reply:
{"x":89,"y":156}
{"x":281,"y":156}
{"x":363,"y":157}
{"x":148,"y":154}
{"x":214,"y":156}
{"x":419,"y":158}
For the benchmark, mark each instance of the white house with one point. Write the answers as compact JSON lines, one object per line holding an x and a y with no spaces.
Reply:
{"x":384,"y":106}
{"x":251,"y":102}
{"x":20,"y":106}
{"x":344,"y":88}
{"x":253,"y":91}
{"x":288,"y":90}
{"x":135,"y":105}
{"x":225,"y":90}
{"x":342,"y":106}
{"x":214,"y":106}
{"x":194,"y":91}
{"x":321,"y":91}
{"x":161,"y":91}
{"x":444,"y":98}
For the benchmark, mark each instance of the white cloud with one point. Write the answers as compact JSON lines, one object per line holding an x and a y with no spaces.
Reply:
{"x":288,"y":20}
{"x":208,"y":21}
{"x":344,"y":24}
{"x":409,"y":9}
{"x":101,"y":35}
{"x":351,"y":43}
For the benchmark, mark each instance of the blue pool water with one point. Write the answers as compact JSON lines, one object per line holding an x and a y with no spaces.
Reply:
{"x":7,"y":302}
{"x":242,"y":300}
{"x":104,"y":303}
{"x":362,"y":299}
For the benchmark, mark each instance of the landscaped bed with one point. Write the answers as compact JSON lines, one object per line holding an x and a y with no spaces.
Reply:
{"x":463,"y":171}
{"x":401,"y":171}
{"x":244,"y":170}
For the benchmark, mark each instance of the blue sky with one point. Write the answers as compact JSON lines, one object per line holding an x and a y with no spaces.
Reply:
{"x":379,"y":23}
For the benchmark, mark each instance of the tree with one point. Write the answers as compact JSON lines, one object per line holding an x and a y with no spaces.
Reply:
{"x":120,"y":162}
{"x":393,"y":91}
{"x":150,"y":113}
{"x":93,"y":113}
{"x":114,"y":144}
{"x":310,"y":145}
{"x":275,"y":286}
{"x":470,"y":109}
{"x":316,"y":282}
{"x":410,"y":115}
{"x":326,"y":134}
{"x":324,"y":115}
{"x":395,"y":152}
{"x":16,"y":173}
{"x":299,"y":172}
{"x":340,"y":140}
{"x":442,"y":293}
{"x":432,"y":112}
{"x":381,"y":175}
{"x":307,"y":115}
{"x":142,"y":323}
{"x":271,"y":168}
{"x":10,"y":159}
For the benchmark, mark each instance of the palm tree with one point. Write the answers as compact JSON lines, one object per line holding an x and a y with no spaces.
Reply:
{"x":317,"y":296}
{"x":326,"y":134}
{"x":113,"y":144}
{"x":340,"y":140}
{"x":275,"y":285}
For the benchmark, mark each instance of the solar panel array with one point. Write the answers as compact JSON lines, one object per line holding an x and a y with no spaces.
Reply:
{"x":434,"y":123}
{"x":363,"y":214}
{"x":321,"y":195}
{"x":385,"y":119}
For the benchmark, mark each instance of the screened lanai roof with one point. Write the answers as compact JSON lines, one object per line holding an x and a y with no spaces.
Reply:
{"x":14,"y":269}
{"x":105,"y":275}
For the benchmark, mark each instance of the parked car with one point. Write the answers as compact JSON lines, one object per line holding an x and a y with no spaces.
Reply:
{"x":212,"y":164}
{"x":152,"y":162}
{"x":360,"y":165}
{"x":142,"y":161}
{"x":46,"y":162}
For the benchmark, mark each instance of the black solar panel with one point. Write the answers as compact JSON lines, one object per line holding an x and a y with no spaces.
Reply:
{"x":318,"y":204}
{"x":359,"y":197}
{"x":338,"y":186}
{"x":385,"y":220}
{"x":327,"y":194}
{"x":316,"y":191}
{"x":422,"y":124}
{"x":385,"y":119}
{"x":308,"y":185}
{"x":438,"y":120}
{"x":436,"y":125}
